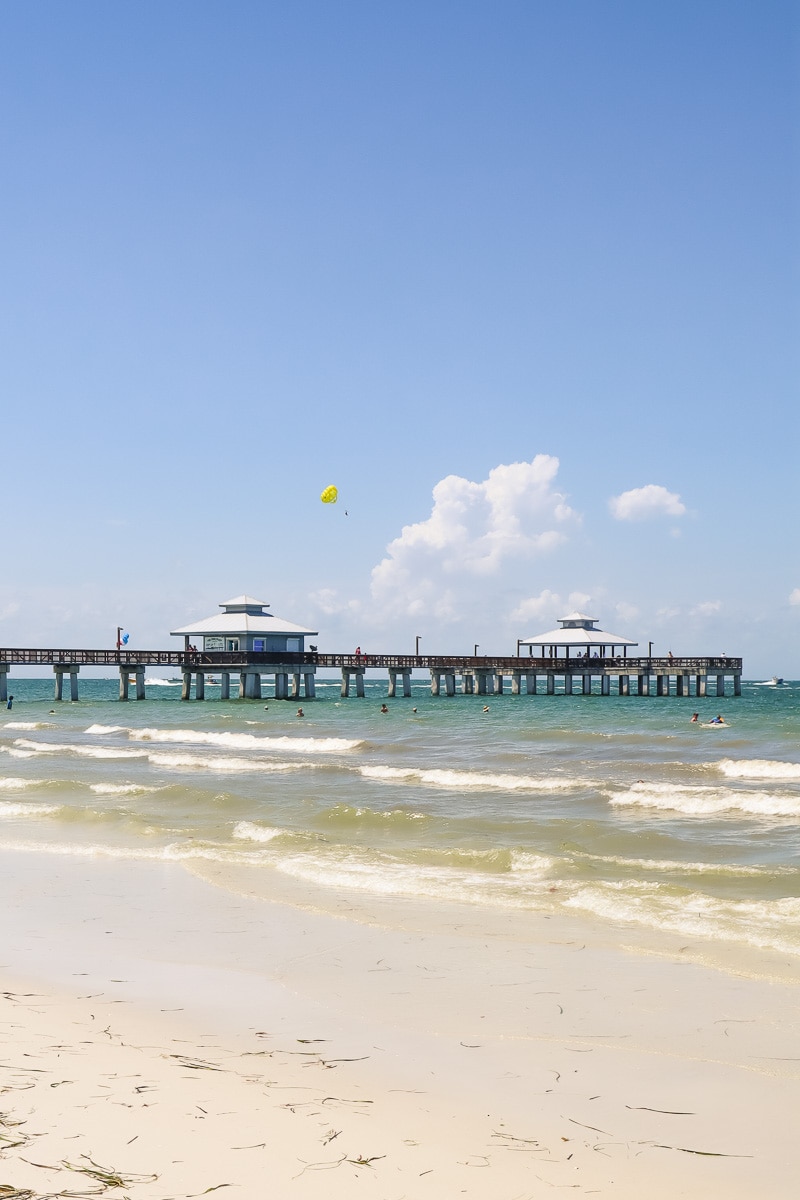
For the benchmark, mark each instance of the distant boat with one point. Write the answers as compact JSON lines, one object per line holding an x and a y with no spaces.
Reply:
{"x":776,"y":680}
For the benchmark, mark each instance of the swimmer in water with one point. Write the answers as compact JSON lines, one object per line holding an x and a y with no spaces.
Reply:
{"x":300,"y":713}
{"x":695,"y":717}
{"x":486,"y":708}
{"x":384,"y":709}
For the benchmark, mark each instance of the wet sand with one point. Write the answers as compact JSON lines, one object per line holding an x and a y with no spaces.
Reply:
{"x":161,"y":1031}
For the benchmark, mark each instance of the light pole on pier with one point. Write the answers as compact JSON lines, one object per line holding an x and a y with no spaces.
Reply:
{"x":418,"y":640}
{"x":475,"y":650}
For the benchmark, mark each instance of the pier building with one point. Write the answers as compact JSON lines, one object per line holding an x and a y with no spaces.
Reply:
{"x":244,"y":627}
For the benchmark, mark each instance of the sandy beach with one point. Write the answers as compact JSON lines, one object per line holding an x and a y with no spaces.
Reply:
{"x":166,"y":1038}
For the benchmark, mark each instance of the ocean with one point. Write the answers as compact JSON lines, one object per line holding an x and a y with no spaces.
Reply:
{"x":615,"y":810}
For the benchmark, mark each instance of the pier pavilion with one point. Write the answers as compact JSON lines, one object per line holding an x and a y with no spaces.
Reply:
{"x":244,"y":628}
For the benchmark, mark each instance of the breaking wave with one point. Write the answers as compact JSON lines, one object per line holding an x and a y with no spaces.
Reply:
{"x":471,"y":780}
{"x":705,"y":801}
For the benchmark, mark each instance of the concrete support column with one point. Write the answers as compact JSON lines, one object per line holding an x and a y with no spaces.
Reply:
{"x":295,"y":685}
{"x":551,"y":683}
{"x":140,"y":683}
{"x":624,"y":685}
{"x":435,"y":682}
{"x":644,"y":685}
{"x":605,"y":685}
{"x":186,"y":689}
{"x":406,"y":683}
{"x":720,"y":685}
{"x":4,"y":682}
{"x":345,"y":682}
{"x":587,"y":685}
{"x":568,"y":685}
{"x":61,"y":669}
{"x":468,"y":684}
{"x":360,"y":684}
{"x":242,"y":685}
{"x":662,"y":685}
{"x":737,"y":685}
{"x":225,"y":685}
{"x":680,"y":685}
{"x":700,"y":685}
{"x":252,"y":686}
{"x":450,"y":683}
{"x":530,"y":683}
{"x":516,"y":683}
{"x":498,"y":685}
{"x":200,"y":685}
{"x":482,"y":678}
{"x":309,"y":685}
{"x":123,"y":684}
{"x":281,"y":685}
{"x":392,"y":683}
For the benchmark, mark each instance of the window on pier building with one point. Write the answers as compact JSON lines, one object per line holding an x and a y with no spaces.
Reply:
{"x":259,"y":645}
{"x":232,"y":644}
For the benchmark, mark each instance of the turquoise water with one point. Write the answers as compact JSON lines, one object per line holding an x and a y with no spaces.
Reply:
{"x":615,"y":809}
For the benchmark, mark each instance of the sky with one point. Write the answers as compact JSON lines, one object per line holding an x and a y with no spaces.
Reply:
{"x":519,"y":278}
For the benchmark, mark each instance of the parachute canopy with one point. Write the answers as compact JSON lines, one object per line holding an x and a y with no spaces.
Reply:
{"x":330,"y":495}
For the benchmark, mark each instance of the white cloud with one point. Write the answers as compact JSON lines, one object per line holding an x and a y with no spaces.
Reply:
{"x":794,"y":597}
{"x":626,"y":612}
{"x":652,"y":500}
{"x":328,"y":602}
{"x":473,"y":532}
{"x":537,"y":608}
{"x":706,"y":609}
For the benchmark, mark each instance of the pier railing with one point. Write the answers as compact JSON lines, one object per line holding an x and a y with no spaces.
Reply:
{"x":228,"y":660}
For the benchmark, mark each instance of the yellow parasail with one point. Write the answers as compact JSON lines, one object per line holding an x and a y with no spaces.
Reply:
{"x":330,"y":495}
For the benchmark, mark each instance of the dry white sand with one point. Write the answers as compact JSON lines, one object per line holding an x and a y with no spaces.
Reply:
{"x":164,"y":1038}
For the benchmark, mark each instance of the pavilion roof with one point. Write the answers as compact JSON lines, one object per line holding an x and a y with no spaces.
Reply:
{"x":577,"y":637}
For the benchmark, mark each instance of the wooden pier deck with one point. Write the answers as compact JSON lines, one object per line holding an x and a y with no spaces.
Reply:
{"x":478,"y":675}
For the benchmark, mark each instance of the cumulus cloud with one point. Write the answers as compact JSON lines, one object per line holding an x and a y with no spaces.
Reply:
{"x":537,"y":608}
{"x":625,"y":611}
{"x":652,"y":500}
{"x":706,"y":609}
{"x":549,"y":606}
{"x":794,"y":597}
{"x":475,"y":529}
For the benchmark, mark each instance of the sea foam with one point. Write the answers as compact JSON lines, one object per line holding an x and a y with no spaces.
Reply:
{"x":470,"y":780}
{"x":757,"y":768}
{"x":246,"y":741}
{"x":705,"y":802}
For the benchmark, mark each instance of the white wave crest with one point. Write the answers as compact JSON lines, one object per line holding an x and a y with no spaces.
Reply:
{"x":217,"y":763}
{"x":705,"y":801}
{"x":245,"y":741}
{"x":106,"y":729}
{"x":757,"y":768}
{"x":120,"y":789}
{"x":767,"y":924}
{"x":12,"y":784}
{"x":81,"y":751}
{"x":156,"y":682}
{"x":29,"y":725}
{"x":676,"y":867}
{"x":248,"y":831}
{"x":9,"y":809}
{"x":470,"y":780}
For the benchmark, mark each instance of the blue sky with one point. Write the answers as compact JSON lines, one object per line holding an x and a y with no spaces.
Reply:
{"x":251,"y":249}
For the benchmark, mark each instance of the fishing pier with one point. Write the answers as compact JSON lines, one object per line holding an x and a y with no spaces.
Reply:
{"x":245,"y":640}
{"x":285,"y":675}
